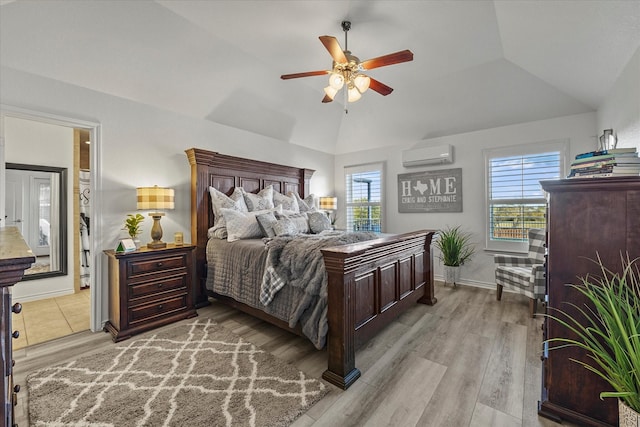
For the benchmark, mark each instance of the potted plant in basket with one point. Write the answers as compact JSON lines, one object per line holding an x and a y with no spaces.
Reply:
{"x":455,"y":248}
{"x":609,"y":332}
{"x":133,"y":226}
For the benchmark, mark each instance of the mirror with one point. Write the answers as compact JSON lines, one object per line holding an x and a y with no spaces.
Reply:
{"x":36,"y":203}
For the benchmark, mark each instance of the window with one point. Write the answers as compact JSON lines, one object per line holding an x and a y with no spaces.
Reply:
{"x":515,"y":199}
{"x":363,"y":187}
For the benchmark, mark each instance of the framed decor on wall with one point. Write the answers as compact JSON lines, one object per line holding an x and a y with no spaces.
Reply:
{"x":430,"y":191}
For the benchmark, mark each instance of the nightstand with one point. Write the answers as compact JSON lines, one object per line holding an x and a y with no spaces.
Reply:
{"x":149,"y":288}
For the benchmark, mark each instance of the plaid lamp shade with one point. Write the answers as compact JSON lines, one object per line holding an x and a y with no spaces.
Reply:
{"x":155,"y":198}
{"x":329,"y":203}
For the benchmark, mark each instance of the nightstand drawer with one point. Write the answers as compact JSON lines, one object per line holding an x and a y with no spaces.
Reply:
{"x":145,"y":266}
{"x":160,"y":308}
{"x":158,"y":286}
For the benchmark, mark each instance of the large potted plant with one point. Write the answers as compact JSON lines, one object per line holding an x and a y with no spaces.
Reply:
{"x":455,"y":248}
{"x":609,"y":332}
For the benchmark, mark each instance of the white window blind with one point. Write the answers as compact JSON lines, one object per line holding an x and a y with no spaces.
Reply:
{"x":515,"y":199}
{"x":364,"y":197}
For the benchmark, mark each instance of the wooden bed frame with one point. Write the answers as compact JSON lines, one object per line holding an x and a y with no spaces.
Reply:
{"x":369,"y":283}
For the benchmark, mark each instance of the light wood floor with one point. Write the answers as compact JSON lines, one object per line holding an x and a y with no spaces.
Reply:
{"x":469,"y":360}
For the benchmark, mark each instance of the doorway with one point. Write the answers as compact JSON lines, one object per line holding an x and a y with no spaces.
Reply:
{"x":82,"y":238}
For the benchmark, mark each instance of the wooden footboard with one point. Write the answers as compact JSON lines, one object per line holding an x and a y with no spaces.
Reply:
{"x":370,"y":284}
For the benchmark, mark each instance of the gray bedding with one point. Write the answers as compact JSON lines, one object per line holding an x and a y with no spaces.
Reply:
{"x":296,"y":283}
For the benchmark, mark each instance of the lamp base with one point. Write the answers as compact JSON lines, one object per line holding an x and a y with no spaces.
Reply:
{"x":156,"y":232}
{"x":156,"y":245}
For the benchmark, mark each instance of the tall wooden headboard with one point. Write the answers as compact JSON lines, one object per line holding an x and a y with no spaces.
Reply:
{"x":211,"y":169}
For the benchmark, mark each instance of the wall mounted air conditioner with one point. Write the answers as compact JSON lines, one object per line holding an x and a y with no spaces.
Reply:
{"x":439,"y":154}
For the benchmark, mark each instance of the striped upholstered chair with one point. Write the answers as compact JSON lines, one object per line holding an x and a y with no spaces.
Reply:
{"x":524,"y":275}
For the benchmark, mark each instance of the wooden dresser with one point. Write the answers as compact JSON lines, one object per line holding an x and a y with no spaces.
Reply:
{"x":585,"y":216}
{"x":15,"y":257}
{"x":149,"y":288}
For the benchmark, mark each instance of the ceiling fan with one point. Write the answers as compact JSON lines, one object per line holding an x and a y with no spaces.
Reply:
{"x":347,"y":69}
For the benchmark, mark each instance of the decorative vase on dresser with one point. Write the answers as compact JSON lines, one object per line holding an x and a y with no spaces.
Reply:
{"x":149,"y":288}
{"x":15,"y":257}
{"x":585,"y":217}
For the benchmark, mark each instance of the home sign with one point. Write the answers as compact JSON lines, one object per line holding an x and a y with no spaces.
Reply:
{"x":430,"y":191}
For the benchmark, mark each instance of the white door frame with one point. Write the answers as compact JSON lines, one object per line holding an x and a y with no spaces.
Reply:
{"x":94,"y":128}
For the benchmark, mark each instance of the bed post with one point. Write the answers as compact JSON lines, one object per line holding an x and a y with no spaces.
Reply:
{"x":341,"y":344}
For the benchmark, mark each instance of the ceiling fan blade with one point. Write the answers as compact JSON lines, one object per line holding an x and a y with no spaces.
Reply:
{"x":332,"y":45}
{"x":390,"y":59}
{"x":326,"y":99}
{"x":306,"y":74}
{"x":381,"y":88}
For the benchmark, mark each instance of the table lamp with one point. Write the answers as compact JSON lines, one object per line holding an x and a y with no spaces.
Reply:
{"x":155,"y":198}
{"x":328,"y":204}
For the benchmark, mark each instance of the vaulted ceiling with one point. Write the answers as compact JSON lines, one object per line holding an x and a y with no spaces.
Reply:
{"x":477,"y":64}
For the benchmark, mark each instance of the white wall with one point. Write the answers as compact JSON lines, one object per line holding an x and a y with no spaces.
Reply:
{"x":142,"y":146}
{"x":620,"y":110}
{"x":42,"y":144}
{"x":580,"y":130}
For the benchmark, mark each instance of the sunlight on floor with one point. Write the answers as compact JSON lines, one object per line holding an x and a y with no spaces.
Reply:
{"x":51,"y":318}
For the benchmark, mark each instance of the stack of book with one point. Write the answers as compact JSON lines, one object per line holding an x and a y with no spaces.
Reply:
{"x":606,"y":163}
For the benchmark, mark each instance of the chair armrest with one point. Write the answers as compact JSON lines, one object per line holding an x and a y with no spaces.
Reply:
{"x":512,"y":261}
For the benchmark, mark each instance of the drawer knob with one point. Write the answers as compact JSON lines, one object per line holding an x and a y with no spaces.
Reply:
{"x":160,"y":285}
{"x":17,"y":308}
{"x":16,"y":388}
{"x":160,"y":307}
{"x":159,"y":264}
{"x":15,"y":334}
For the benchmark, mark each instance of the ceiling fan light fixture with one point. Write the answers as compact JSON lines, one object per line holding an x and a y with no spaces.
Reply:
{"x":330,"y":91}
{"x":353,"y":94}
{"x":336,"y":81}
{"x":362,"y":82}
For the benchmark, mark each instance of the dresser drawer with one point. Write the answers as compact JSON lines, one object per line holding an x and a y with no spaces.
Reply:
{"x":157,"y":286}
{"x":157,"y":309}
{"x":152,"y":265}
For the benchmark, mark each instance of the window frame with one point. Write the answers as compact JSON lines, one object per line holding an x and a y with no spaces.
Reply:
{"x":559,"y":146}
{"x":362,"y":168}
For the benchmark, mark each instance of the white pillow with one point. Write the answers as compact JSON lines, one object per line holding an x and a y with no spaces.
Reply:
{"x":243,"y":225}
{"x":308,"y":204}
{"x":261,"y":201}
{"x":289,"y":203}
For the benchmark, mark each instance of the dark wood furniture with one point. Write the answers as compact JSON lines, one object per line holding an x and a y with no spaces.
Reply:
{"x":370,"y":283}
{"x":149,"y":288}
{"x":585,"y":217}
{"x":15,"y":257}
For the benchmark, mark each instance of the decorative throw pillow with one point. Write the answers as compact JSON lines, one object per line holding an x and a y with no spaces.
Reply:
{"x":219,"y":201}
{"x":307,"y":204}
{"x":266,"y":222}
{"x":288,"y":203}
{"x":285,"y":227}
{"x":319,"y":222}
{"x":242,"y":225}
{"x":261,"y":201}
{"x":299,"y":220}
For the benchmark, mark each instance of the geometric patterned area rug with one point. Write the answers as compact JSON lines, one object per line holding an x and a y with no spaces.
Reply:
{"x":195,"y":374}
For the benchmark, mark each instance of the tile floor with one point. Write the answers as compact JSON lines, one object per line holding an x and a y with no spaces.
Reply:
{"x":51,"y":318}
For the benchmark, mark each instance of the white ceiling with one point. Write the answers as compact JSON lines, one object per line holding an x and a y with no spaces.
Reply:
{"x":477,"y":64}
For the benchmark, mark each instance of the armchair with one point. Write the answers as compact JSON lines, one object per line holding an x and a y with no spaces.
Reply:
{"x":525,"y":275}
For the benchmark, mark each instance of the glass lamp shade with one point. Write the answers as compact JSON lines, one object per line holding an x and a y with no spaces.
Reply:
{"x":336,"y":81}
{"x":331,"y":92}
{"x":354,"y":94}
{"x":362,"y":82}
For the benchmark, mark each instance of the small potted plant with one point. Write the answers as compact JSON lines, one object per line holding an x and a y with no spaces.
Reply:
{"x":133,"y":226}
{"x":609,"y":331}
{"x":455,"y":248}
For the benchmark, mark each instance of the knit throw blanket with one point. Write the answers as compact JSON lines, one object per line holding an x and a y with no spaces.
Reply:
{"x":297,"y":261}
